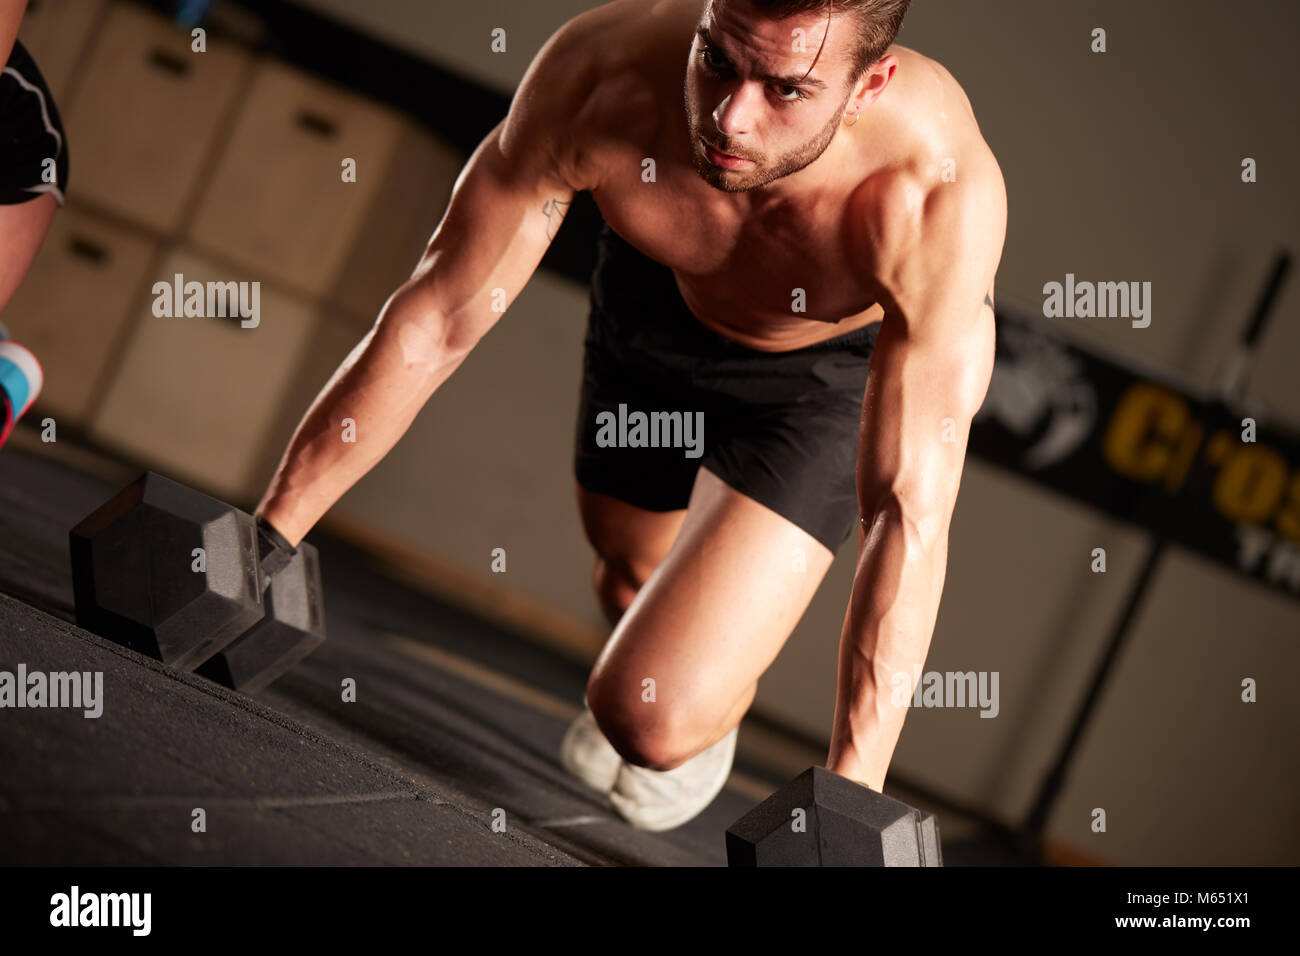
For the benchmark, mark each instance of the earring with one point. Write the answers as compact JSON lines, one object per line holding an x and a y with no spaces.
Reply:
{"x":850,"y":122}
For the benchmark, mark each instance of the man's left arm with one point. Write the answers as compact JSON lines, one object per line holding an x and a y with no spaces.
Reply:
{"x":929,"y":373}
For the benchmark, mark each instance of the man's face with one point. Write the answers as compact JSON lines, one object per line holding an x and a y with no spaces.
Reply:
{"x":749,"y":93}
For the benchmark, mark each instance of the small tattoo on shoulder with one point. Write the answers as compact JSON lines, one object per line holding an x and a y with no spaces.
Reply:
{"x":554,"y":210}
{"x":988,"y":300}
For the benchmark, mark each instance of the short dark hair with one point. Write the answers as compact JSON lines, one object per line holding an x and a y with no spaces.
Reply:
{"x":878,"y":21}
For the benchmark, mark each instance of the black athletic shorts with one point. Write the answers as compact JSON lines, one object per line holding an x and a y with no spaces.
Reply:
{"x":780,"y":427}
{"x":30,"y":134}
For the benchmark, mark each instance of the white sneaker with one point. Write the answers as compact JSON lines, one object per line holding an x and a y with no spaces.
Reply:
{"x":587,"y":755}
{"x":663,"y":799}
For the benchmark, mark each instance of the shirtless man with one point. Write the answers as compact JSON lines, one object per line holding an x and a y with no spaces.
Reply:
{"x":815,"y":191}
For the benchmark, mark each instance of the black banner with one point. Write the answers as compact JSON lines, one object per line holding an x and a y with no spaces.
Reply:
{"x":1145,"y":450}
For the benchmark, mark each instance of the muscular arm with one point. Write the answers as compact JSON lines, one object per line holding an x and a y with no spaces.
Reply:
{"x":929,"y":373}
{"x":11,"y":15}
{"x":505,"y":209}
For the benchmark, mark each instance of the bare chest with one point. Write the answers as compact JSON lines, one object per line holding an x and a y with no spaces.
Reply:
{"x":782,"y":277}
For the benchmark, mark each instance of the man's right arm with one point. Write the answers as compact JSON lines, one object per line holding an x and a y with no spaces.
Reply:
{"x":505,"y":208}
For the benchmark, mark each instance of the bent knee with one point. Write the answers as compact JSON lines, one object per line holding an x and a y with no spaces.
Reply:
{"x":646,"y":734}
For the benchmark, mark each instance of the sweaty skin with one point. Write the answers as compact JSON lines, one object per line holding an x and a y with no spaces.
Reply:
{"x":899,"y":218}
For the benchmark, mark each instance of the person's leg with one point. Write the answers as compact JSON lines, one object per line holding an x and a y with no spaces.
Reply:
{"x":22,"y":229}
{"x":683,"y":663}
{"x":629,"y":543}
{"x":34,"y":148}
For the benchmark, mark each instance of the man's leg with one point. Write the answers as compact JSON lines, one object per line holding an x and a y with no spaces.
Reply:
{"x":22,"y":227}
{"x":629,"y":543}
{"x":683,"y":663}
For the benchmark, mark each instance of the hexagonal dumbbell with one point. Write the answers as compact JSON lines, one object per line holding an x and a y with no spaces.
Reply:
{"x":292,"y":627}
{"x":823,"y":819}
{"x":180,"y":576}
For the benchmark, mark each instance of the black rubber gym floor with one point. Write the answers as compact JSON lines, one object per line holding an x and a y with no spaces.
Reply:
{"x":456,"y":724}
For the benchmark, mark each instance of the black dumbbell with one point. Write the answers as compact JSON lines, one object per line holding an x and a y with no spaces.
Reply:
{"x":823,"y":819}
{"x":194,"y":582}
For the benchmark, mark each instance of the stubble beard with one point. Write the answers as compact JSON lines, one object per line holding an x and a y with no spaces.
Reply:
{"x":739,"y":181}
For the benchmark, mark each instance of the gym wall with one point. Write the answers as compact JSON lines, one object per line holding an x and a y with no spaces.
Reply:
{"x":1120,"y":166}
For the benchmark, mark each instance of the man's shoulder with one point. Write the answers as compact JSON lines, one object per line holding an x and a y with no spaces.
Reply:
{"x":907,"y":213}
{"x":597,"y":78}
{"x":928,"y":119}
{"x":934,"y":216}
{"x":936,"y":192}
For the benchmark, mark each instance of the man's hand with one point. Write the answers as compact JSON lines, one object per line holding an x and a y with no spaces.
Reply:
{"x":929,"y":372}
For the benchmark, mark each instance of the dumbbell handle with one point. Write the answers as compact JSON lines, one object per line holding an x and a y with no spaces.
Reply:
{"x":274,"y":550}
